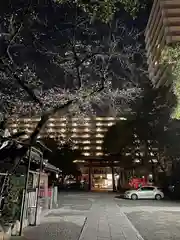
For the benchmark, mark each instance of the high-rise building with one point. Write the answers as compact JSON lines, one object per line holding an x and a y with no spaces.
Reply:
{"x":163,"y":30}
{"x":88,"y":136}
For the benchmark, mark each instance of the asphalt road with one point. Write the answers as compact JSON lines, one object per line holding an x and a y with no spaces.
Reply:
{"x":155,"y":220}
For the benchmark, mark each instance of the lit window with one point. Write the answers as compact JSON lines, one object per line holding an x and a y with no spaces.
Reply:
{"x":99,"y":130}
{"x":99,"y":118}
{"x":25,"y":136}
{"x":74,"y":119}
{"x":110,"y":124}
{"x":74,"y":130}
{"x":127,"y":154}
{"x":99,"y":148}
{"x":78,"y":161}
{"x":51,"y":136}
{"x":152,"y":154}
{"x":86,"y":124}
{"x":62,"y":124}
{"x":74,"y":124}
{"x":74,"y":135}
{"x":122,"y":118}
{"x":136,"y":160}
{"x":110,"y":118}
{"x":86,"y":136}
{"x":75,"y":147}
{"x":14,"y":130}
{"x":87,"y":130}
{"x":99,"y":124}
{"x":52,"y":119}
{"x":99,"y":141}
{"x":51,"y":124}
{"x":63,"y":130}
{"x":99,"y":154}
{"x":86,"y":154}
{"x":27,"y":130}
{"x":87,"y":119}
{"x":14,"y":125}
{"x":86,"y":148}
{"x":86,"y":142}
{"x":99,"y":136}
{"x":63,"y":135}
{"x":63,"y":119}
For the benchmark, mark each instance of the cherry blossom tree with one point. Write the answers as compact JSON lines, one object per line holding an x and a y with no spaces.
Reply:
{"x":55,"y":60}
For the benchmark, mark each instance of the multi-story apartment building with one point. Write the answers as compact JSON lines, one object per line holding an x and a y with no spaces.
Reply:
{"x":88,"y":136}
{"x":163,"y":29}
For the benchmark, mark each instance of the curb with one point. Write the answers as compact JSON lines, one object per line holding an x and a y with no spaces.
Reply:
{"x":82,"y":229}
{"x":133,"y":227}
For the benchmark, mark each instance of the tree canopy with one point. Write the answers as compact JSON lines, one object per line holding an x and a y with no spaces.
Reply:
{"x":53,"y":58}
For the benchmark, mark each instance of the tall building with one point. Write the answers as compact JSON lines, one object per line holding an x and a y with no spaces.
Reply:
{"x":88,"y":136}
{"x":163,"y":30}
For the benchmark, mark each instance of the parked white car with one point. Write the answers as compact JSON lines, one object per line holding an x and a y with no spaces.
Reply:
{"x":145,"y":192}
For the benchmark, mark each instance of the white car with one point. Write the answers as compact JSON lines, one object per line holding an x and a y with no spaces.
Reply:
{"x":145,"y":192}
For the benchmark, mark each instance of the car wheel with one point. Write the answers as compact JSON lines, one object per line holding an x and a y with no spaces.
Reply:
{"x":158,"y":197}
{"x":134,"y":197}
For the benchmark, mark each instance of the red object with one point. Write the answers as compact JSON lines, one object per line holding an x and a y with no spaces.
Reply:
{"x":138,"y":182}
{"x":42,"y":192}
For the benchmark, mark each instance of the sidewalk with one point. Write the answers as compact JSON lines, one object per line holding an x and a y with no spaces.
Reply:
{"x":107,"y":222}
{"x":77,"y":219}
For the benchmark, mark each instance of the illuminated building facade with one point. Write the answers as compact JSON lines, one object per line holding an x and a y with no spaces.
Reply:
{"x":163,"y":30}
{"x":87,"y":136}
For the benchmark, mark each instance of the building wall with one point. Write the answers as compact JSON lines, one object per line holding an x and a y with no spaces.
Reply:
{"x":163,"y":29}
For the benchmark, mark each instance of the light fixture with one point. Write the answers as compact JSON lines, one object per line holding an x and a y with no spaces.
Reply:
{"x":63,"y":130}
{"x":62,"y":124}
{"x":99,"y":136}
{"x":99,"y":148}
{"x":86,"y":154}
{"x":86,"y":130}
{"x":86,"y":136}
{"x":74,"y":119}
{"x":74,"y":135}
{"x":74,"y":130}
{"x":99,"y":130}
{"x":99,"y":124}
{"x":86,"y":148}
{"x":99,"y":154}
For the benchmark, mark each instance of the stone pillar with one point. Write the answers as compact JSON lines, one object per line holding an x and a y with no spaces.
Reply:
{"x":45,"y":176}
